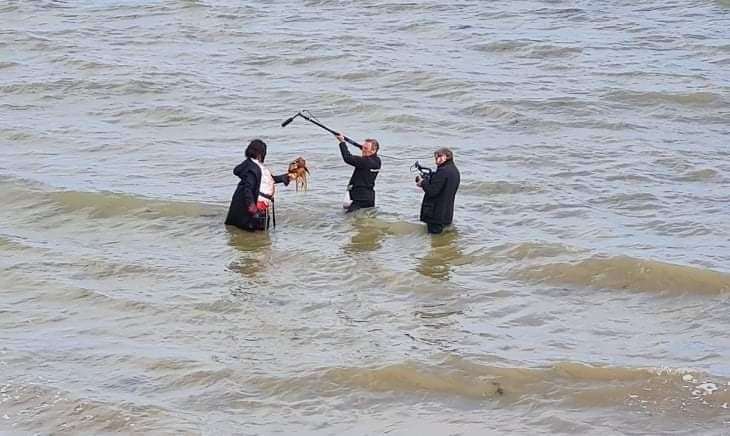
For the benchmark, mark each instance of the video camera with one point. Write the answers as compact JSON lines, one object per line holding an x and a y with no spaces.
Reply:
{"x":424,"y":172}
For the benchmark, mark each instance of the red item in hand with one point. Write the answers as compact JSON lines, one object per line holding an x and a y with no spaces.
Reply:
{"x":262,"y":206}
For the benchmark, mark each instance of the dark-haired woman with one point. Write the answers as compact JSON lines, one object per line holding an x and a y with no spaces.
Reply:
{"x":246,"y":211}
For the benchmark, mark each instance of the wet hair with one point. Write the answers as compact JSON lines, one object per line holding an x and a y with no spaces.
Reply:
{"x":443,"y":151}
{"x":376,"y":144}
{"x":256,"y":150}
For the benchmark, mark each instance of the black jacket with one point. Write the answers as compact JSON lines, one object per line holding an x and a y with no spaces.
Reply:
{"x":362,"y":182}
{"x":439,"y":193}
{"x":246,"y":194}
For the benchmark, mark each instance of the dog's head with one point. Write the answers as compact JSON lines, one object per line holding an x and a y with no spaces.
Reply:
{"x":298,"y":164}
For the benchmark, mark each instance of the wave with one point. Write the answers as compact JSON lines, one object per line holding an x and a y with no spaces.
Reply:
{"x":160,"y":116}
{"x":497,"y":187}
{"x":675,"y":228}
{"x":404,"y":119}
{"x":413,"y":378}
{"x":502,"y":46}
{"x":47,"y":88}
{"x":657,"y":98}
{"x":367,"y":223}
{"x":14,"y":135}
{"x":8,"y":243}
{"x":700,"y":175}
{"x":87,"y":64}
{"x":560,"y":12}
{"x":533,"y":250}
{"x":64,"y":291}
{"x":491,"y":111}
{"x":587,"y":123}
{"x":146,"y":84}
{"x":107,"y":204}
{"x":350,"y":76}
{"x":424,"y":81}
{"x":552,"y":51}
{"x":630,"y":202}
{"x":43,"y":199}
{"x":527,"y":49}
{"x":41,"y":407}
{"x":93,"y":298}
{"x":623,"y":272}
{"x":9,"y":7}
{"x":299,"y":61}
{"x":721,"y":61}
{"x":574,"y":384}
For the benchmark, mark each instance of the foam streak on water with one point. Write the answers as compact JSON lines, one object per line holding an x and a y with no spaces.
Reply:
{"x":584,"y":289}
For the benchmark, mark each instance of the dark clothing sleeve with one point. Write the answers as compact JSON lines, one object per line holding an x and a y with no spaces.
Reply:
{"x":240,"y":168}
{"x":439,"y":195}
{"x":362,"y":181}
{"x":245,"y":195}
{"x":284,"y":178}
{"x":250,"y":189}
{"x":356,"y":161}
{"x":434,"y":185}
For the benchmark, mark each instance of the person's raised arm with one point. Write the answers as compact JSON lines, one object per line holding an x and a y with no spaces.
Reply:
{"x":356,"y":161}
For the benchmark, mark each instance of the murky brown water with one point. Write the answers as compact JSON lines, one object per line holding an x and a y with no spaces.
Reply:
{"x":583,"y":290}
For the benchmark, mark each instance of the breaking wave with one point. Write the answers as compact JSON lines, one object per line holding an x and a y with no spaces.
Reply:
{"x":99,"y":204}
{"x":45,"y":408}
{"x":527,"y":49}
{"x":574,"y":384}
{"x":107,"y":204}
{"x":497,"y":187}
{"x":655,"y":98}
{"x":700,"y":175}
{"x":623,"y":272}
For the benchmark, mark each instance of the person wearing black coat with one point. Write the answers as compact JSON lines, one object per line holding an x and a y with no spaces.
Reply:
{"x":437,"y":208}
{"x":244,"y":212}
{"x":361,"y":187}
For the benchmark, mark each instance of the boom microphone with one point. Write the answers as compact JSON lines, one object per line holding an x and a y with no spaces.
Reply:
{"x":311,"y":119}
{"x":288,"y":120}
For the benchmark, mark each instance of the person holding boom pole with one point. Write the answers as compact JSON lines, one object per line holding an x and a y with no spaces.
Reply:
{"x":361,"y":188}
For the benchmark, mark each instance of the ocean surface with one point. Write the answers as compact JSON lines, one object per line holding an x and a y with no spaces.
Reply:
{"x":583,"y":289}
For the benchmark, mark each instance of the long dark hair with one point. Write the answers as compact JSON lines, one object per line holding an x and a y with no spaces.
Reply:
{"x":256,"y":150}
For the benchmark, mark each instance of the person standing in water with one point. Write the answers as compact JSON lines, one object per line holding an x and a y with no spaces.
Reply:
{"x":253,"y":202}
{"x":437,"y":208}
{"x":361,"y":187}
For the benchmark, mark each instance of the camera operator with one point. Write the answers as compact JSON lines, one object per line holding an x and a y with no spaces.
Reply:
{"x":437,"y":208}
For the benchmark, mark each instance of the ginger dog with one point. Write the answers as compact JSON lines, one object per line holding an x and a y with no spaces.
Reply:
{"x":299,"y":172}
